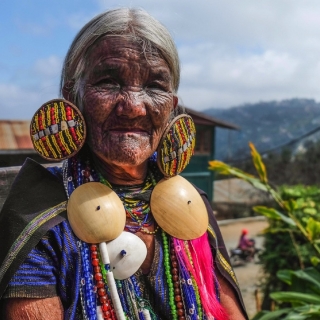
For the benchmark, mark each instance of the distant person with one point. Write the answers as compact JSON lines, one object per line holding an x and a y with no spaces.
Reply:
{"x":246,"y":244}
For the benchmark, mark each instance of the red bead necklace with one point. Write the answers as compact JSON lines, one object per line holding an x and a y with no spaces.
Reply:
{"x":106,"y":304}
{"x":176,"y":284}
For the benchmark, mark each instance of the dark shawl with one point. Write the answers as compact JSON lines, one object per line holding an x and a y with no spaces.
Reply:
{"x":33,"y":191}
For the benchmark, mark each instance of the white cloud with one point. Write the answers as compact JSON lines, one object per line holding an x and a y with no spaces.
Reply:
{"x":249,"y":51}
{"x":20,"y":103}
{"x":21,"y":100}
{"x":223,"y":79}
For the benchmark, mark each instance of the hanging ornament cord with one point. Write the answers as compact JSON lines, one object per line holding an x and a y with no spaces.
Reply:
{"x":111,"y":282}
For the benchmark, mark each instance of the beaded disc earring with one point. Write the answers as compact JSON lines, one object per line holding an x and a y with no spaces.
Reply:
{"x":57,"y":130}
{"x":176,"y":146}
{"x":176,"y":205}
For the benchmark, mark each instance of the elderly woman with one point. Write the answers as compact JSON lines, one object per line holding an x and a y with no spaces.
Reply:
{"x":122,"y":72}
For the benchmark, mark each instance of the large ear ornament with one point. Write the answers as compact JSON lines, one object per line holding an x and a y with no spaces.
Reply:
{"x":176,"y":146}
{"x":176,"y":205}
{"x":57,"y":130}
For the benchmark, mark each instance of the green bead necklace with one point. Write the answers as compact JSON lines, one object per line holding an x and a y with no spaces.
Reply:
{"x":169,"y":279}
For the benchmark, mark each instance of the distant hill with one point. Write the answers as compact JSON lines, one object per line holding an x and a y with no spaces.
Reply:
{"x":268,"y":125}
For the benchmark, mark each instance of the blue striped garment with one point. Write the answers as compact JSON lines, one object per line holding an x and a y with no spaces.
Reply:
{"x":51,"y":269}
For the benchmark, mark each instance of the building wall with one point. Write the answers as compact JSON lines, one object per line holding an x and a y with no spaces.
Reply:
{"x":197,"y":171}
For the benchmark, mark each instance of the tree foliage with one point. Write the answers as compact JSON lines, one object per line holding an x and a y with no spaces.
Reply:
{"x":292,"y":244}
{"x":284,"y":167}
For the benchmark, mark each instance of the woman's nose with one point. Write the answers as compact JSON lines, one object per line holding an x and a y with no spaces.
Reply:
{"x":131,"y":105}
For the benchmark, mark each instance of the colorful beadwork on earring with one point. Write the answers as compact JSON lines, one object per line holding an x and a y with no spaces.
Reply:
{"x":176,"y":146}
{"x":57,"y":130}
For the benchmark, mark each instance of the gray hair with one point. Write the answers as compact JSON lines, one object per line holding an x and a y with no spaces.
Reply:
{"x":125,"y":22}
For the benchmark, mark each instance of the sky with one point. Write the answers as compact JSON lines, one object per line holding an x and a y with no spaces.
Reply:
{"x":232,"y":52}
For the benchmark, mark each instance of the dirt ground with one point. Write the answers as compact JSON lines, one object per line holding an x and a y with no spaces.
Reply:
{"x":249,"y":275}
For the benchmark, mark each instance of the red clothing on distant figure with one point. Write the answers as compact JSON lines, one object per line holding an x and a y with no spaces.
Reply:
{"x":244,"y":242}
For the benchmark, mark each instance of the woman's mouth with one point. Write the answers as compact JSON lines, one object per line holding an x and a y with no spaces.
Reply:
{"x":120,"y":131}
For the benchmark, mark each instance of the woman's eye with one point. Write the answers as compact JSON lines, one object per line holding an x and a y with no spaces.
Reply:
{"x":156,"y":86}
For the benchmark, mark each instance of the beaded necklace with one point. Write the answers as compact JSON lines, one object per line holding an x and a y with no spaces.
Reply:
{"x":136,"y":203}
{"x":181,"y":290}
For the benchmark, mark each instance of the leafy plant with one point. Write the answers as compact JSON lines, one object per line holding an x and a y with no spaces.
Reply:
{"x":293,"y":232}
{"x":304,"y":296}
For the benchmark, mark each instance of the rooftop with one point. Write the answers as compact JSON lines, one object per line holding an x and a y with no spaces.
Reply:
{"x":15,"y":135}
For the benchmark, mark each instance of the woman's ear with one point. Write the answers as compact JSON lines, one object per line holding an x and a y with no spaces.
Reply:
{"x":67,"y":91}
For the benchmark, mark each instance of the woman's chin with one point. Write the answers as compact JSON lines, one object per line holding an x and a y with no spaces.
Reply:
{"x":127,"y":159}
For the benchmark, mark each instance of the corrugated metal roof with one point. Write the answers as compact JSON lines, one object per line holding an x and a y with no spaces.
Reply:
{"x":15,"y":135}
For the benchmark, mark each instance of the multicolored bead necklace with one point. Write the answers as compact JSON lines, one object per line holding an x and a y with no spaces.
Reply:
{"x":179,"y":286}
{"x":100,"y":280}
{"x":136,"y":201}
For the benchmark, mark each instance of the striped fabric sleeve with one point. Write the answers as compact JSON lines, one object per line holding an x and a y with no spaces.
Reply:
{"x":51,"y":269}
{"x":37,"y":276}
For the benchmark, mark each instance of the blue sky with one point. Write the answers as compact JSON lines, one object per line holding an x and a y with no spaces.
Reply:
{"x":232,"y":52}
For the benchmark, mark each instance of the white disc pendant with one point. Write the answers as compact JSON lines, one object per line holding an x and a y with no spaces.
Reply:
{"x":95,"y":212}
{"x":179,"y":209}
{"x":127,"y":253}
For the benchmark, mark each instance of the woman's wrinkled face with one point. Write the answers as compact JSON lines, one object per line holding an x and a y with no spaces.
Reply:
{"x":127,"y":100}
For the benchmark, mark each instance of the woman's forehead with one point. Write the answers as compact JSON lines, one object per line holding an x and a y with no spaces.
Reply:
{"x":120,"y":52}
{"x":122,"y":46}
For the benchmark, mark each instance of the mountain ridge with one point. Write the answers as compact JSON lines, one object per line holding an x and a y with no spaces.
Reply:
{"x":268,"y":125}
